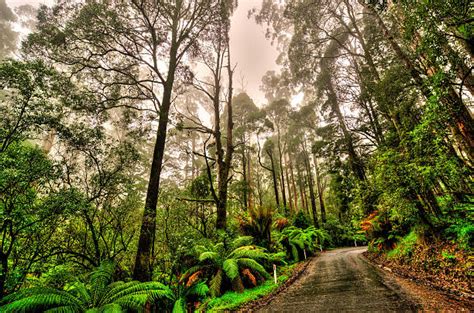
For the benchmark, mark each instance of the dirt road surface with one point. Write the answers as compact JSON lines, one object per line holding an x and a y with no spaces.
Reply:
{"x":342,"y":280}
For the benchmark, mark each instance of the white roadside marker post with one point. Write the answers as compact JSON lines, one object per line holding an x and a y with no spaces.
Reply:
{"x":275,"y":273}
{"x":304,"y":251}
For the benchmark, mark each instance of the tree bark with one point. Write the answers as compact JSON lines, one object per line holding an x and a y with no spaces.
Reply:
{"x":143,"y":266}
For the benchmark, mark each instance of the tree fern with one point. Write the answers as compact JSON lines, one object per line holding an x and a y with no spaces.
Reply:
{"x":297,"y":240}
{"x":100,"y":294}
{"x":224,"y":266}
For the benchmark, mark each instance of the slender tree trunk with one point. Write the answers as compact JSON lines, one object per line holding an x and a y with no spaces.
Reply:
{"x":322,"y":207}
{"x":244,"y":176}
{"x":304,"y":205}
{"x":295,"y":192}
{"x":3,"y":273}
{"x":288,"y":183}
{"x":275,"y":180}
{"x":311,"y":191}
{"x":249,"y":183}
{"x":224,"y":164}
{"x":143,"y":266}
{"x":282,"y":174}
{"x":354,"y":160}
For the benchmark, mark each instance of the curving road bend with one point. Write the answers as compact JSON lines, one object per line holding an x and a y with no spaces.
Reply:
{"x":342,"y":280}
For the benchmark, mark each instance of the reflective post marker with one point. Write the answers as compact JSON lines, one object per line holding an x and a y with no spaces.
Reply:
{"x":275,"y":273}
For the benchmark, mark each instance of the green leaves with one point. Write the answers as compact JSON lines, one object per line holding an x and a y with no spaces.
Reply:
{"x":100,"y":296}
{"x":231,"y":268}
{"x":296,"y":240}
{"x":228,"y":264}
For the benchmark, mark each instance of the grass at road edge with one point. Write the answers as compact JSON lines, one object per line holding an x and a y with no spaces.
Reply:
{"x":234,"y":300}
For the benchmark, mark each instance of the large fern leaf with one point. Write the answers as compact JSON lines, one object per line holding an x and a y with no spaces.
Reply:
{"x":231,"y":268}
{"x":242,"y":241}
{"x":254,"y":266}
{"x":208,"y":256}
{"x":216,"y":283}
{"x":252,"y":252}
{"x":179,"y":306}
{"x":44,"y":301}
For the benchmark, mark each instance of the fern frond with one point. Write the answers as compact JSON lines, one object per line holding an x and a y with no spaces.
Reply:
{"x":179,"y":306}
{"x":133,"y":302}
{"x":100,"y":278}
{"x":155,"y":290}
{"x":62,"y":309}
{"x":208,"y":255}
{"x":193,"y":278}
{"x":116,"y":288}
{"x":253,"y":265}
{"x":111,"y":308}
{"x":43,"y":302}
{"x":216,"y":283}
{"x":190,"y":271}
{"x":252,"y":252}
{"x":199,"y":289}
{"x":242,"y":241}
{"x":231,"y":268}
{"x":294,"y":252}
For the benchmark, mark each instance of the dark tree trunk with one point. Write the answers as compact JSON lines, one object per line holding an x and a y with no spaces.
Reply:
{"x":3,"y":273}
{"x":143,"y":266}
{"x":244,"y":174}
{"x":322,"y":207}
{"x":311,"y":191}
{"x":275,"y":180}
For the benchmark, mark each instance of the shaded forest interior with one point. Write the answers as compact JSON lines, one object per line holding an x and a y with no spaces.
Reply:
{"x":137,"y":173}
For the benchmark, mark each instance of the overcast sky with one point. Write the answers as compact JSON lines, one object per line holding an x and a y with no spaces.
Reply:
{"x":250,"y":50}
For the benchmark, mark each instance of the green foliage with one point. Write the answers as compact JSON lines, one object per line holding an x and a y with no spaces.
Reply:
{"x":257,"y":222}
{"x":404,"y":247}
{"x":300,"y":220}
{"x":462,"y":233}
{"x":297,"y":241}
{"x":99,"y":293}
{"x":232,"y":300}
{"x":225,"y":263}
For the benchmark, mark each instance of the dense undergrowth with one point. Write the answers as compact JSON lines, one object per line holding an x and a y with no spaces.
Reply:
{"x":441,"y":255}
{"x":216,"y":275}
{"x":126,"y":154}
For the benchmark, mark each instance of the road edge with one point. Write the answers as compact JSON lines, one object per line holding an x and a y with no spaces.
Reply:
{"x":267,"y":299}
{"x":404,"y":280}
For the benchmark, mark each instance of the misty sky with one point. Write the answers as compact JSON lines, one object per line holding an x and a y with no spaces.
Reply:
{"x":250,"y":50}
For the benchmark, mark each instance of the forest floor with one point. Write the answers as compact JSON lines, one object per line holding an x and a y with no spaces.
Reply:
{"x":344,"y":280}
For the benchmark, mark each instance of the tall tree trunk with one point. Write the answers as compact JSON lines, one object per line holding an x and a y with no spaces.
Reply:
{"x":249,"y":183}
{"x":322,"y":207}
{"x":282,"y":173}
{"x":244,"y":175}
{"x":288,"y":183}
{"x":3,"y":273}
{"x":354,"y":160}
{"x":143,"y":266}
{"x":295,"y":192}
{"x":311,"y":191}
{"x":304,"y":205}
{"x":275,"y":179}
{"x":224,"y":163}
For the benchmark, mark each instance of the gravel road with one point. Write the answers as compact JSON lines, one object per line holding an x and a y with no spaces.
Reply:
{"x":342,"y":280}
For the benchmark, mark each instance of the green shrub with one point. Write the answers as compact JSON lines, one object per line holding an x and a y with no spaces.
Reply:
{"x":99,"y":294}
{"x":405,"y":246}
